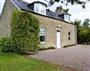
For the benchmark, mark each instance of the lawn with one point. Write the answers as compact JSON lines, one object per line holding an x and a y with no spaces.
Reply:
{"x":15,"y":62}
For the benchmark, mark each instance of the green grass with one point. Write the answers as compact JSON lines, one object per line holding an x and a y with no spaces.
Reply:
{"x":15,"y":62}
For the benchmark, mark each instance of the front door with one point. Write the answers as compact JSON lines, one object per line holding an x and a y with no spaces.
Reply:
{"x":58,"y":42}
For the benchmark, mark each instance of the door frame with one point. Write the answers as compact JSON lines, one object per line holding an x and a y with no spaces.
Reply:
{"x":59,"y":39}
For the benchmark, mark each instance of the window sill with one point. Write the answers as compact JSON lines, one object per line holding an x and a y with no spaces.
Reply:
{"x":42,"y":42}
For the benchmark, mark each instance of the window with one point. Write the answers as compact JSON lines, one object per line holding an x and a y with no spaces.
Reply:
{"x":69,"y":35}
{"x":42,"y":38}
{"x":40,"y":8}
{"x":2,"y":3}
{"x":67,"y":17}
{"x":42,"y":35}
{"x":37,"y":9}
{"x":69,"y":38}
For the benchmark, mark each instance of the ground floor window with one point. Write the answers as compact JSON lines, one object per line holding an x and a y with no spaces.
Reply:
{"x":42,"y":34}
{"x":69,"y":35}
{"x":42,"y":38}
{"x":69,"y":38}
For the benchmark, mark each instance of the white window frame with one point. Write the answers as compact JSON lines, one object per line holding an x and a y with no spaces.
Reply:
{"x":43,"y":33}
{"x":40,"y":8}
{"x":67,"y":17}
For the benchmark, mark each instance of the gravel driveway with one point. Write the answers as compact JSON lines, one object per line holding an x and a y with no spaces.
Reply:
{"x":77,"y":57}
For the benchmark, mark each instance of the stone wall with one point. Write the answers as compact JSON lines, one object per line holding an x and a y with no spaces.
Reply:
{"x":51,"y":28}
{"x":5,"y":19}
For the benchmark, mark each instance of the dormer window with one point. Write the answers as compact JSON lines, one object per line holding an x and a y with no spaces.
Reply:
{"x":40,"y":8}
{"x":2,"y":3}
{"x":67,"y":17}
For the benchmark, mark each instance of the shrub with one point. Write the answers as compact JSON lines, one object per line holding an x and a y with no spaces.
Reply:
{"x":7,"y":45}
{"x":24,"y":31}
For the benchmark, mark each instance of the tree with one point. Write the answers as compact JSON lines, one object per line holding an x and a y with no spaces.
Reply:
{"x":74,"y":1}
{"x":77,"y":23}
{"x":66,"y":10}
{"x":84,"y":35}
{"x":71,"y":1}
{"x":86,"y":23}
{"x":83,"y":32}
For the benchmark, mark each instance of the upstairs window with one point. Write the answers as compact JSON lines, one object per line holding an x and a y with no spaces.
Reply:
{"x":2,"y":3}
{"x":67,"y":17}
{"x":40,"y":8}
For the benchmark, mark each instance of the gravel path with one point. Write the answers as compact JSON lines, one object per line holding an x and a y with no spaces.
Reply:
{"x":77,"y":57}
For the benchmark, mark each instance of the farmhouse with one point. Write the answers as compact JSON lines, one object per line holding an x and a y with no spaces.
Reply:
{"x":55,"y":27}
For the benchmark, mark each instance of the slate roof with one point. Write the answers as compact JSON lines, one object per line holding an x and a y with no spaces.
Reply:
{"x":39,"y":2}
{"x":53,"y":14}
{"x":25,"y":6}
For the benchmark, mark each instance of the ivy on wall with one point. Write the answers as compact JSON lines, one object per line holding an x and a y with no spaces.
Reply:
{"x":24,"y":30}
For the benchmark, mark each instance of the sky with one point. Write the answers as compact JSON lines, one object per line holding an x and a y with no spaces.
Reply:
{"x":1,"y":5}
{"x":76,"y":11}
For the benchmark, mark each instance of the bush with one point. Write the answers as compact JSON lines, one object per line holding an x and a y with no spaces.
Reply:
{"x":24,"y":31}
{"x":7,"y":45}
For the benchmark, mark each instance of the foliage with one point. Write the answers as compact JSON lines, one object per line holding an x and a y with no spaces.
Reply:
{"x":77,"y":23}
{"x":84,"y":35}
{"x":57,"y":0}
{"x":24,"y":31}
{"x":83,"y":32}
{"x":73,"y":2}
{"x":66,"y":11}
{"x":7,"y":45}
{"x":86,"y":23}
{"x":15,"y":62}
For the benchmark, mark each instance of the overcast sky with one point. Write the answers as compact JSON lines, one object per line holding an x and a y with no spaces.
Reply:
{"x":76,"y":11}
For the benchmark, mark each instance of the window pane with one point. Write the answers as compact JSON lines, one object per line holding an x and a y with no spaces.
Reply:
{"x":42,"y":30}
{"x":69,"y":38}
{"x":42,"y":38}
{"x":69,"y":33}
{"x":42,"y":34}
{"x":2,"y":3}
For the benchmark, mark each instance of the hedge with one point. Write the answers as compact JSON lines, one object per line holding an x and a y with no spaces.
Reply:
{"x":25,"y":31}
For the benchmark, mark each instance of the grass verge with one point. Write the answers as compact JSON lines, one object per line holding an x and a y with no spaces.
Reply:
{"x":15,"y":62}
